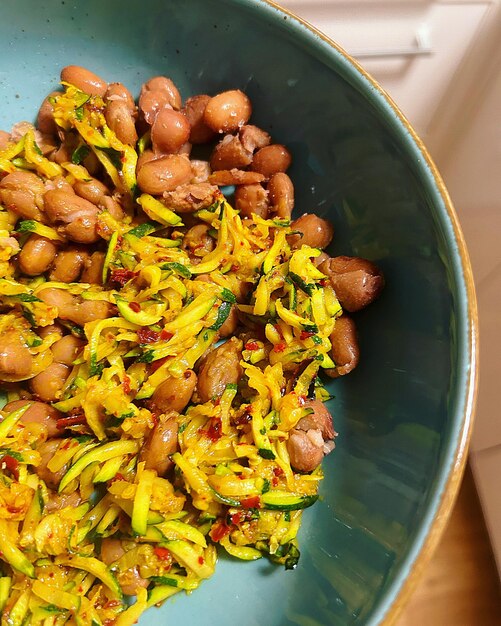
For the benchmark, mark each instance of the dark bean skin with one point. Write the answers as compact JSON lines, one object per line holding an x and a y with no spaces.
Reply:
{"x":281,"y":192}
{"x":316,"y":232}
{"x":194,"y":109}
{"x":271,"y":160}
{"x":38,"y":413}
{"x":356,"y":281}
{"x":250,"y":199}
{"x":161,"y":443}
{"x":84,"y":79}
{"x":220,"y":368}
{"x":345,"y":351}
{"x":37,"y":255}
{"x":170,"y":131}
{"x":174,"y":394}
{"x":228,"y":111}
{"x":164,"y":174}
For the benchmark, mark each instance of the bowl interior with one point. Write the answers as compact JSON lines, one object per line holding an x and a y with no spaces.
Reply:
{"x":400,"y":415}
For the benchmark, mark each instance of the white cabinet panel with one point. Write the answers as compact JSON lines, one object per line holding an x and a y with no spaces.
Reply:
{"x":416,"y":46}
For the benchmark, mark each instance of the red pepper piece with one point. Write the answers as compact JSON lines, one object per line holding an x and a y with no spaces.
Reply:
{"x":279,"y":347}
{"x":252,"y":345}
{"x":214,"y":431}
{"x":162,"y":553}
{"x":218,"y":531}
{"x":122,"y":276}
{"x":251,"y":503}
{"x":135,"y":306}
{"x":146,"y":335}
{"x":306,"y":334}
{"x":12,"y":465}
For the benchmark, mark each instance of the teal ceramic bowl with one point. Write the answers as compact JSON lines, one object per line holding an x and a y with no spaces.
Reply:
{"x":403,"y":416}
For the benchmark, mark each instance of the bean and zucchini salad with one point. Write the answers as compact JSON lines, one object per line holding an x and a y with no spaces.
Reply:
{"x":165,"y":332}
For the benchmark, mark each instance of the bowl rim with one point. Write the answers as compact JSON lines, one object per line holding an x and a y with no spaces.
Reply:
{"x":430,"y":534}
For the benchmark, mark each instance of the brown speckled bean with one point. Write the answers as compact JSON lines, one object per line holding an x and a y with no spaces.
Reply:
{"x":173,"y":394}
{"x":166,"y":85}
{"x":160,"y":444}
{"x":164,"y":174}
{"x":228,"y":111}
{"x":68,"y":265}
{"x":93,"y":269}
{"x":117,"y":91}
{"x":194,"y":110}
{"x":84,"y":79}
{"x":271,"y":160}
{"x":66,"y":350}
{"x":49,"y":383}
{"x":170,"y":131}
{"x":356,"y":281}
{"x":121,"y":121}
{"x":316,"y":232}
{"x":230,"y":153}
{"x":77,"y":216}
{"x":15,"y":358}
{"x":281,"y":192}
{"x":45,"y":118}
{"x":4,"y":139}
{"x":345,"y":351}
{"x":22,"y":193}
{"x":38,"y":413}
{"x":251,"y":199}
{"x":36,"y":255}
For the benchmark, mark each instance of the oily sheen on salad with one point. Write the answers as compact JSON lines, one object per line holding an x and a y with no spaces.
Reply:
{"x":165,"y":331}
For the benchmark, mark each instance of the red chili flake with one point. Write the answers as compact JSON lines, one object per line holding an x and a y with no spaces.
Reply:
{"x":214,"y":431}
{"x":274,"y":481}
{"x":237,"y":518}
{"x":165,"y":335}
{"x":12,"y":465}
{"x":324,"y":282}
{"x":252,"y":345}
{"x":146,"y":335}
{"x":218,"y":531}
{"x":162,"y":553}
{"x":111,"y":604}
{"x":235,"y":268}
{"x":126,"y":385}
{"x":77,"y":420}
{"x":201,"y":560}
{"x":122,"y":276}
{"x":251,"y":503}
{"x":278,"y":471}
{"x":279,"y":347}
{"x":302,"y":400}
{"x":187,"y":374}
{"x":306,"y":334}
{"x":243,"y":419}
{"x":14,"y":509}
{"x":135,"y":306}
{"x":156,"y":364}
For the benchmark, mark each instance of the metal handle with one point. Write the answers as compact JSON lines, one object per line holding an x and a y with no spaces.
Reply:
{"x":421,"y":48}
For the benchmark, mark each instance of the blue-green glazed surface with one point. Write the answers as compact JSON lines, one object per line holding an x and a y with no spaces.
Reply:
{"x":401,"y":414}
